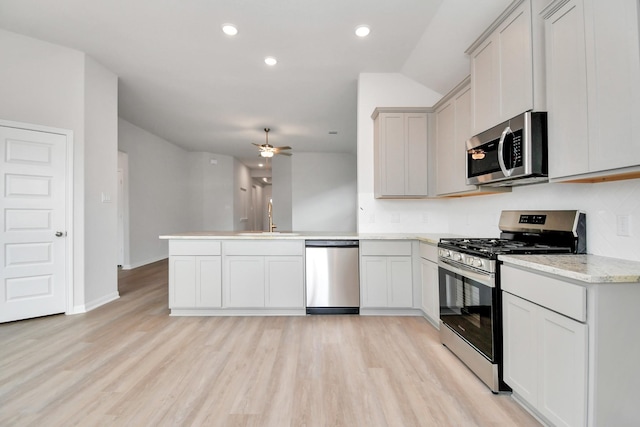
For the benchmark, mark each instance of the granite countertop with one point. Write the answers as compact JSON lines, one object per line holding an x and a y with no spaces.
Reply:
{"x":585,"y":268}
{"x":432,"y":238}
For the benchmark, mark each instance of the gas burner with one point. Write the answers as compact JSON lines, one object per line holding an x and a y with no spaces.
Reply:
{"x":492,"y":247}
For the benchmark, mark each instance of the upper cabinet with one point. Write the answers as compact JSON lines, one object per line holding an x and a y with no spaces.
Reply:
{"x":593,"y":89}
{"x":507,"y":68}
{"x":401,"y":152}
{"x":452,"y":129}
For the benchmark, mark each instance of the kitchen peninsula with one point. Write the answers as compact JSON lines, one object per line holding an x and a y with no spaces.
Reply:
{"x":262,"y":273}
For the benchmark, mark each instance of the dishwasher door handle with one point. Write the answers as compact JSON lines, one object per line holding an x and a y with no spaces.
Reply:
{"x":332,"y":243}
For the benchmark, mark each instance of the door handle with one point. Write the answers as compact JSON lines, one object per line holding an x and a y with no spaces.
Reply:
{"x":61,"y":233}
{"x":507,"y":172}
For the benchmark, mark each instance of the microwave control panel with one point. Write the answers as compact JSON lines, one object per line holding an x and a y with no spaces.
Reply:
{"x":515,"y":149}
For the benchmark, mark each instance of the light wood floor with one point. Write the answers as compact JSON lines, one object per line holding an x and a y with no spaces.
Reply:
{"x":129,"y":363}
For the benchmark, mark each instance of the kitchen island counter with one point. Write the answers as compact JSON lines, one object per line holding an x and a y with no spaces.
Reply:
{"x":245,"y":273}
{"x":432,"y":238}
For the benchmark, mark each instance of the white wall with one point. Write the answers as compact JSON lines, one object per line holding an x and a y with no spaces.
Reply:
{"x":241,"y":196}
{"x":389,"y":90}
{"x":123,"y":165}
{"x":212,"y":191}
{"x":324,"y":191}
{"x":266,"y":196}
{"x":101,"y":178}
{"x":159,"y":195}
{"x":281,"y":193}
{"x":478,"y":216}
{"x":602,"y":202}
{"x":49,"y":85}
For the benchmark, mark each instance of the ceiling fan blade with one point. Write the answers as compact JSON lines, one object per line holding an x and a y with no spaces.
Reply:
{"x":258,"y":145}
{"x":283,"y":154}
{"x":286,"y":147}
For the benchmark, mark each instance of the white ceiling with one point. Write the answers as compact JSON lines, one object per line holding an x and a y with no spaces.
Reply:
{"x":184,"y":80}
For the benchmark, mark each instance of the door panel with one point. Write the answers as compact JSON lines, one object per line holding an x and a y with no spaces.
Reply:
{"x":32,"y":210}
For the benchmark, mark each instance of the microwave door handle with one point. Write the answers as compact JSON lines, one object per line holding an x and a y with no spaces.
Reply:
{"x":503,"y":166}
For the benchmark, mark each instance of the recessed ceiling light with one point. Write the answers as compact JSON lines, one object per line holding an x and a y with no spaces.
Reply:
{"x":362,"y":31}
{"x":270,"y":60}
{"x":229,"y":29}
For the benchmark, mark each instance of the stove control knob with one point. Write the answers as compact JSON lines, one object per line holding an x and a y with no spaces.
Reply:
{"x":457,"y":257}
{"x":445,"y":253}
{"x":477,"y":262}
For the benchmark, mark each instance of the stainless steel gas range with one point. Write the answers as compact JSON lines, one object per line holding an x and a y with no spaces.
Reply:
{"x":469,"y":280}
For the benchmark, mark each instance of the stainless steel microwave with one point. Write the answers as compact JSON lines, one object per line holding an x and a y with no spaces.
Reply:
{"x":512,"y":153}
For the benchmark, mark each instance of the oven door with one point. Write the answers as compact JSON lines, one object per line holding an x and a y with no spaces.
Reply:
{"x":467,"y":299}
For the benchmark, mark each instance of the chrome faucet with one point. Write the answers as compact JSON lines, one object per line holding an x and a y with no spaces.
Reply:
{"x":272,"y":226}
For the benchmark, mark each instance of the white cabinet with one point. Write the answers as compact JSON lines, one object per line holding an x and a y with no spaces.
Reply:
{"x":254,"y":280}
{"x":545,"y":360}
{"x":400,"y":152}
{"x":194,"y":278}
{"x":244,"y":281}
{"x":386,"y":274}
{"x":430,"y":301}
{"x":452,"y":131}
{"x":452,"y":119}
{"x":284,"y":283}
{"x":593,"y":89}
{"x":567,"y":349}
{"x":194,"y":281}
{"x":505,"y":79}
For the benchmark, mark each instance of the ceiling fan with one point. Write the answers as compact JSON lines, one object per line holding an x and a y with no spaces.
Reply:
{"x":267,"y":150}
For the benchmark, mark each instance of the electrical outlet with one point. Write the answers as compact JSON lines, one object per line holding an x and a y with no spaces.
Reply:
{"x":105,"y":197}
{"x":623,"y":225}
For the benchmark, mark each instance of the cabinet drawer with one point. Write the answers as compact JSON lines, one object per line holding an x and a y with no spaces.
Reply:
{"x":194,"y":247}
{"x":385,"y":248}
{"x":563,"y":297}
{"x":267,"y":247}
{"x":429,"y":251}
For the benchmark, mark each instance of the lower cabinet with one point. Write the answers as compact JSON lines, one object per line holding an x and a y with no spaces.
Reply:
{"x":244,"y":279}
{"x":195,"y":277}
{"x":386,"y":274}
{"x":430,"y":303}
{"x":545,"y":360}
{"x":200,"y":281}
{"x":263,"y":281}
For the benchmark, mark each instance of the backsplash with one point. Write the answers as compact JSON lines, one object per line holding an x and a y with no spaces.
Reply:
{"x":479,"y":216}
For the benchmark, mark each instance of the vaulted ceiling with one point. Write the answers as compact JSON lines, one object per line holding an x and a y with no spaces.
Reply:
{"x":183,"y":79}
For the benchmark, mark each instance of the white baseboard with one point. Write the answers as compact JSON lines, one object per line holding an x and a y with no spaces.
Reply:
{"x":390,"y":312}
{"x":101,"y":301}
{"x":145,"y":262}
{"x":76,"y":309}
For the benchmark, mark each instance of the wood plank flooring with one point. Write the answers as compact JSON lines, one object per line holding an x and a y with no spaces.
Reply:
{"x":130,"y":363}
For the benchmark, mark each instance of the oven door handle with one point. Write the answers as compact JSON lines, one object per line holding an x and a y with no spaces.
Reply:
{"x":484,"y":279}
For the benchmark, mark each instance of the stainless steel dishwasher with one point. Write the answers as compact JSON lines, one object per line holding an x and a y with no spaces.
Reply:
{"x":332,"y":276}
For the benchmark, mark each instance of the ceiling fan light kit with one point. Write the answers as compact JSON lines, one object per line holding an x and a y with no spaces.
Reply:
{"x":267,"y":150}
{"x":229,"y":29}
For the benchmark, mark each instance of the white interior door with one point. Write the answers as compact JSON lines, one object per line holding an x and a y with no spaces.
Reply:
{"x":33,"y":220}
